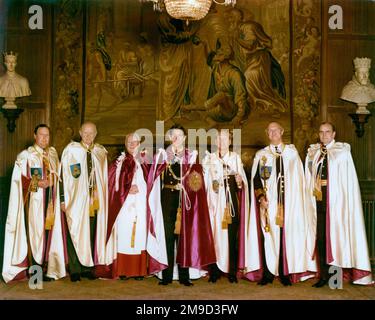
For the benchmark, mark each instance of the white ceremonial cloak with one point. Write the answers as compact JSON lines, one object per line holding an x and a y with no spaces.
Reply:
{"x":156,"y":245}
{"x":213,"y":170}
{"x":295,"y":218}
{"x":346,"y":223}
{"x":15,"y":245}
{"x":77,"y":201}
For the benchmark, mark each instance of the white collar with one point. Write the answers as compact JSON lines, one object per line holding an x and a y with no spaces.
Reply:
{"x":226,"y":155}
{"x":39,"y":149}
{"x":329,"y":145}
{"x":279,"y":146}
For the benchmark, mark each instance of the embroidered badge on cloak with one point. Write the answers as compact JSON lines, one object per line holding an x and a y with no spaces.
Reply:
{"x":195,"y":181}
{"x":75,"y":170}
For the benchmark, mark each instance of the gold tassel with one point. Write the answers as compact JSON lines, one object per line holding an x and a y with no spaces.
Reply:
{"x":177,"y":226}
{"x":228,"y":214}
{"x":280,"y":215}
{"x":133,"y":233}
{"x":318,"y":194}
{"x":224,"y":224}
{"x":267,"y":226}
{"x":50,"y":217}
{"x":318,"y":189}
{"x":227,"y":219}
{"x":94,"y":203}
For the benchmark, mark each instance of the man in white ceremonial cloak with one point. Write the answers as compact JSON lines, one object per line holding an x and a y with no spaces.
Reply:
{"x":335,"y":210}
{"x":278,"y":219}
{"x":227,"y":194}
{"x":85,"y":201}
{"x":33,"y":231}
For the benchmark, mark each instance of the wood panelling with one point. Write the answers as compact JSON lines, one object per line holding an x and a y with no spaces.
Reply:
{"x":14,"y":142}
{"x":369,"y":216}
{"x":362,"y":148}
{"x":34,"y":48}
{"x":340,"y":47}
{"x":340,"y":54}
{"x":4,"y":195}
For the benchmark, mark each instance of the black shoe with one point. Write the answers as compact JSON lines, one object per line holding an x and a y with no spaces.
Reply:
{"x":89,"y":275}
{"x":138,"y":278}
{"x":186,"y":283}
{"x":213,"y":278}
{"x":47,"y":279}
{"x":74,"y":277}
{"x":265,"y":281}
{"x":232,"y":279}
{"x":285,"y":281}
{"x":320,"y":283}
{"x":164,"y":282}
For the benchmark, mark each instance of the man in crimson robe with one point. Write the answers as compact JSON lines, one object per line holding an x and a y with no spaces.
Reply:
{"x":127,"y":214}
{"x":183,"y":203}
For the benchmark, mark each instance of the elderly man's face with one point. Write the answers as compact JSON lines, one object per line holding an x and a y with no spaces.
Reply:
{"x":132,"y":144}
{"x":362,"y":75}
{"x":88,"y":133}
{"x":275,"y":133}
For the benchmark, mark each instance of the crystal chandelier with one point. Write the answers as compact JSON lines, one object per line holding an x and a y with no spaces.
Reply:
{"x":187,"y":9}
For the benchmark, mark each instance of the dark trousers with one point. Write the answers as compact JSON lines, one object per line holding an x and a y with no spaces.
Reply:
{"x":233,"y":245}
{"x":321,"y":234}
{"x":75,"y":267}
{"x":232,"y":231}
{"x":170,"y":203}
{"x":233,"y":250}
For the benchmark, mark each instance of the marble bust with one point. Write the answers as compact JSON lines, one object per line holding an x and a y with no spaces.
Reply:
{"x":12,"y":85}
{"x":359,"y":90}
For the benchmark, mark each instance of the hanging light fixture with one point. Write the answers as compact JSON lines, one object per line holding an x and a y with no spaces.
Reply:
{"x":188,"y":9}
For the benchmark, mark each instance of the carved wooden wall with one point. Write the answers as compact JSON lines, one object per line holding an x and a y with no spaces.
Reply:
{"x":35,"y":63}
{"x":340,"y":47}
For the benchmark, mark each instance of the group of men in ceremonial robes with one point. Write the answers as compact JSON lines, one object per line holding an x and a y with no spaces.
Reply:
{"x":303,"y":220}
{"x":177,"y":219}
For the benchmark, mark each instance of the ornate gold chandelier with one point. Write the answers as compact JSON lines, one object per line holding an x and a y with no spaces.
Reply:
{"x":187,"y":9}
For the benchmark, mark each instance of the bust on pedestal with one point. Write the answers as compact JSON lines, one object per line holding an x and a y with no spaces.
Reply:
{"x":12,"y":85}
{"x":359,"y":90}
